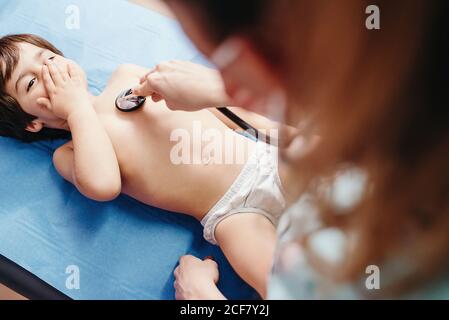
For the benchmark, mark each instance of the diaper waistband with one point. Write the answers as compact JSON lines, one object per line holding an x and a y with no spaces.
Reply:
{"x":245,"y":175}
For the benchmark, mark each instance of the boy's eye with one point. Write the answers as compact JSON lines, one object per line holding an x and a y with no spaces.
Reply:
{"x":30,"y":84}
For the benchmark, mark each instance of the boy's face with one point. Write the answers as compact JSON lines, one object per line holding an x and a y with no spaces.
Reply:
{"x":26,"y":84}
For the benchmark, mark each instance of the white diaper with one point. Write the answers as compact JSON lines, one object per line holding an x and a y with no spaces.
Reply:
{"x":257,"y":189}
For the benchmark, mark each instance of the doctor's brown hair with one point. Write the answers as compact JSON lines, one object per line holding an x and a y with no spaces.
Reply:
{"x":378,"y":99}
{"x":13,"y":120}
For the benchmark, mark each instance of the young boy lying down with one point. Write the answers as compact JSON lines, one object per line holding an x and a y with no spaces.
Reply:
{"x":44,"y":95}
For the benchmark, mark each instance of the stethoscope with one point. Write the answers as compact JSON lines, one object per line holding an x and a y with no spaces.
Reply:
{"x":127,"y":102}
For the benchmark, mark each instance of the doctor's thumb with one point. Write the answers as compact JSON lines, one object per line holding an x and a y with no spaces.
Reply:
{"x":156,"y":97}
{"x":139,"y":90}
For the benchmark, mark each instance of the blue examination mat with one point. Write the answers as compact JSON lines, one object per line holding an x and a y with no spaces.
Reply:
{"x":88,"y":250}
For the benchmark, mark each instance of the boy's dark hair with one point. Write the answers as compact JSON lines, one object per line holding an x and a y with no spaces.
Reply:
{"x":13,"y":120}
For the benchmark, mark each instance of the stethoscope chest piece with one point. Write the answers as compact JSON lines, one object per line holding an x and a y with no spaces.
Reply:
{"x":128,"y":102}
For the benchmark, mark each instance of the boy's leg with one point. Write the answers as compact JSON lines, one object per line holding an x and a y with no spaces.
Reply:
{"x":248,"y":241}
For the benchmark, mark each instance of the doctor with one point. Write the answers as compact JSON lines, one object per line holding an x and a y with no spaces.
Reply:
{"x":372,"y":194}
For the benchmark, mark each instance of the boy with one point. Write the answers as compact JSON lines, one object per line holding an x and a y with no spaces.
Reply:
{"x":44,"y":95}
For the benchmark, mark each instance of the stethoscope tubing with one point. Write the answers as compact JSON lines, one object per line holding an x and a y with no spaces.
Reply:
{"x":246,"y":126}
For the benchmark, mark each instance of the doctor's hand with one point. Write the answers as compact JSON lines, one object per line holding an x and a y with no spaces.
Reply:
{"x":184,"y":86}
{"x":196,"y":279}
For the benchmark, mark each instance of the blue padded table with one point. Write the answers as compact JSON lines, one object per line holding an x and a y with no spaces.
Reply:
{"x":123,"y":249}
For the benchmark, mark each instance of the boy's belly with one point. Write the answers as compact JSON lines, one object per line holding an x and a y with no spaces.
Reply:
{"x":183,"y":162}
{"x":191,"y":190}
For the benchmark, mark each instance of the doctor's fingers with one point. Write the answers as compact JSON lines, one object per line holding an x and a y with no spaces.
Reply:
{"x":151,"y":85}
{"x":156,"y":97}
{"x":176,"y":272}
{"x":163,"y":67}
{"x":143,"y":79}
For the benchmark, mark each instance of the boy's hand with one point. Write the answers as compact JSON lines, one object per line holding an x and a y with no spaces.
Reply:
{"x":65,"y":87}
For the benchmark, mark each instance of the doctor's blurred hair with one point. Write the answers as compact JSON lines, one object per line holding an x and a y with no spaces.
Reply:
{"x":13,"y":120}
{"x":379,"y":99}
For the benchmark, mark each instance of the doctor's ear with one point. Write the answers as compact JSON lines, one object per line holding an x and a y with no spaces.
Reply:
{"x":248,"y":76}
{"x":35,"y":126}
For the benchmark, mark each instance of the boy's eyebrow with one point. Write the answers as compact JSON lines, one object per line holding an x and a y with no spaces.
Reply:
{"x":36,"y":56}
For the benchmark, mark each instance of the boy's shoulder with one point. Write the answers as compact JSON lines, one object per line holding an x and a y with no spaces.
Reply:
{"x":130,"y":69}
{"x":124,"y":73}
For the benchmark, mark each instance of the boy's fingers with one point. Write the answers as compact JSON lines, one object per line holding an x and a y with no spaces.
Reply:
{"x":61,"y":67}
{"x":54,"y":73}
{"x":70,"y":70}
{"x":48,"y":81}
{"x":73,"y":74}
{"x":63,"y":72}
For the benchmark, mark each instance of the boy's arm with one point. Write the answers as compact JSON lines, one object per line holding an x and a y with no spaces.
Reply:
{"x":89,"y":160}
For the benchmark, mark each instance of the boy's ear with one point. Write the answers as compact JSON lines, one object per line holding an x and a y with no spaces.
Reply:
{"x":35,"y":126}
